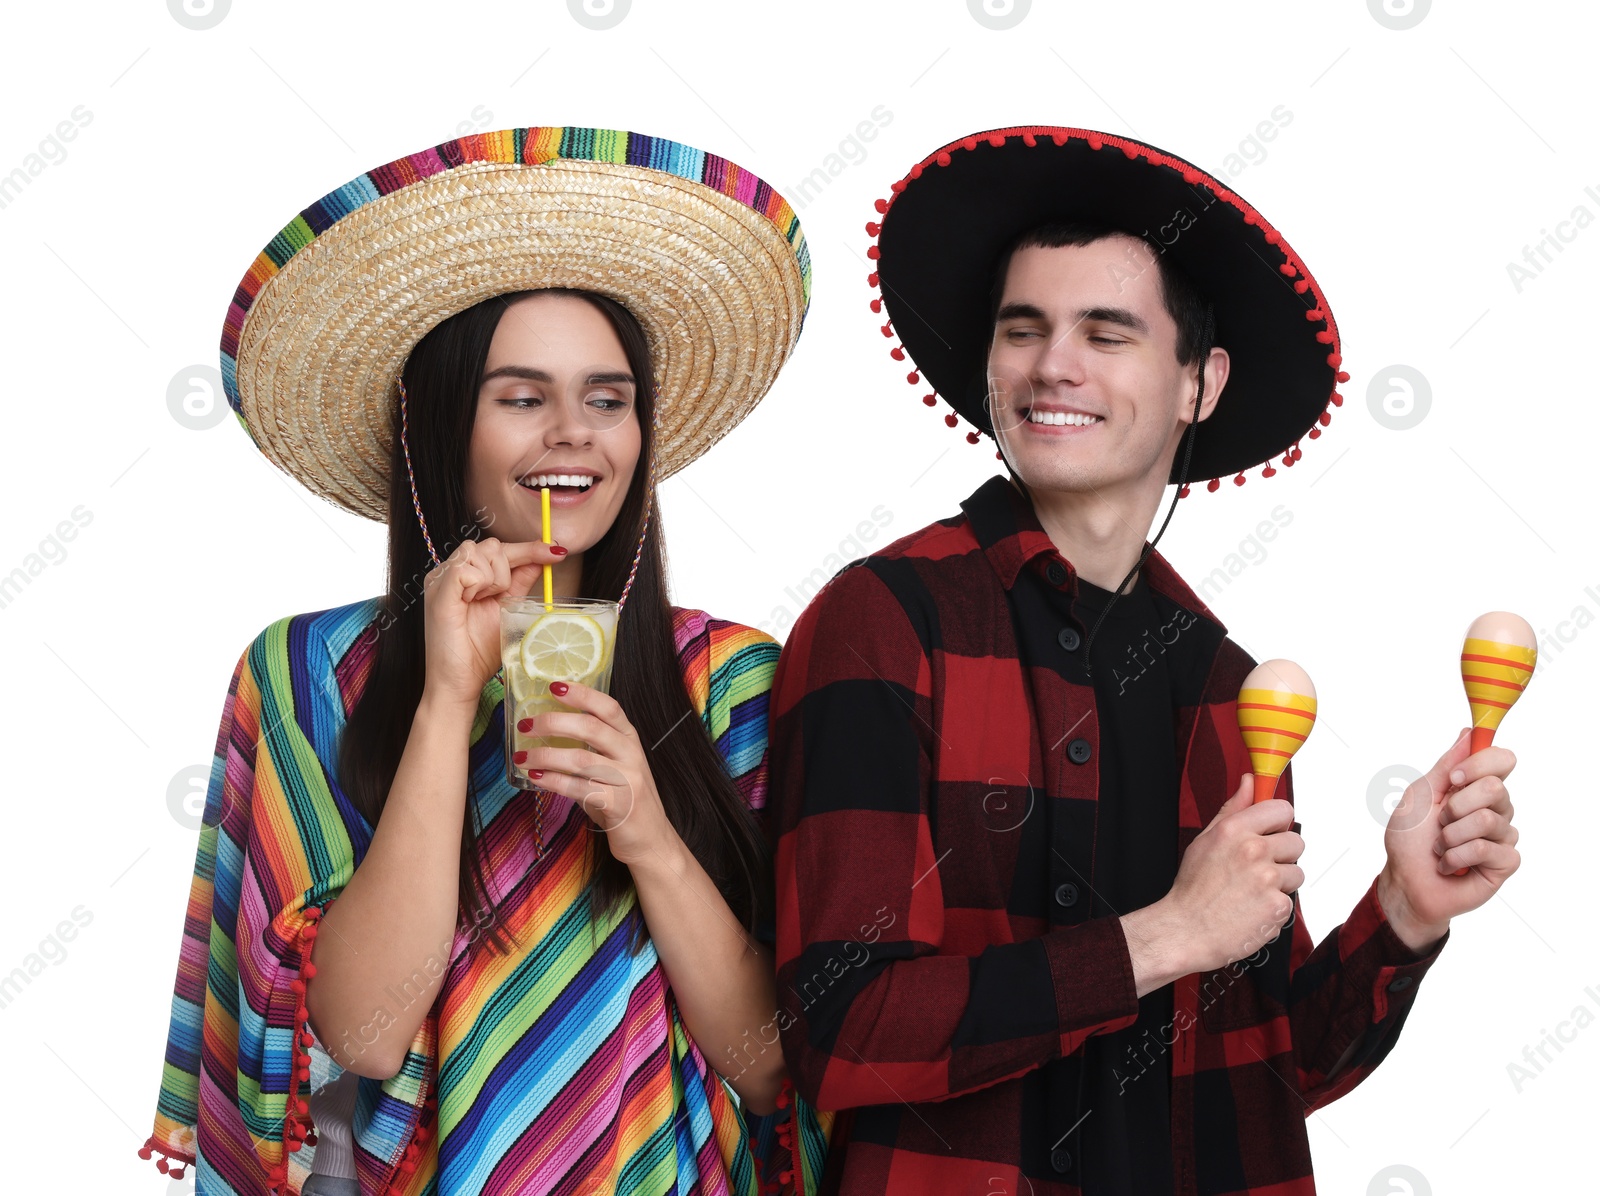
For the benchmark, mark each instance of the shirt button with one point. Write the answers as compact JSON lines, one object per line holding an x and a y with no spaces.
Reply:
{"x":1061,"y":1159}
{"x":1067,"y":894}
{"x":1056,"y":572}
{"x":1400,"y":984}
{"x":1069,"y":638}
{"x":1078,"y":751}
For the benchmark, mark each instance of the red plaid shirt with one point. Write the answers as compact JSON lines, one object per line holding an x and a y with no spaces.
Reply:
{"x":932,"y":791}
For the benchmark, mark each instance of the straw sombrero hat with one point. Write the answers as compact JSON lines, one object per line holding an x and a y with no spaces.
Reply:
{"x":707,"y":256}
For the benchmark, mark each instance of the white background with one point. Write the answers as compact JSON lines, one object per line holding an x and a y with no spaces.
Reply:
{"x":1416,"y":164}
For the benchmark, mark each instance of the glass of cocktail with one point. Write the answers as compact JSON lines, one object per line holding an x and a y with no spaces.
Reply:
{"x":574,"y":639}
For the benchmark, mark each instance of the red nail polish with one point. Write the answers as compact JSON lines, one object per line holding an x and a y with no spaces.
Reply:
{"x":557,"y":550}
{"x":519,"y":757}
{"x":559,"y":688}
{"x":536,"y":772}
{"x":524,"y":725}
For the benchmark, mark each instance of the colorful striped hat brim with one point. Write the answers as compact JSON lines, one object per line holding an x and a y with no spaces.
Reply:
{"x":708,"y":257}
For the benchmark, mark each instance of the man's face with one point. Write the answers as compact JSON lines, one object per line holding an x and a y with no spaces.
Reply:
{"x":1086,"y":391}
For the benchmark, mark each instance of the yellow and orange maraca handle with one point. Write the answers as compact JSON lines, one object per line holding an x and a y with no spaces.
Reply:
{"x":1497,"y":659}
{"x":1277,"y":707}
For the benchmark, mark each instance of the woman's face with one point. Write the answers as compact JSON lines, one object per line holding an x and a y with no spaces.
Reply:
{"x":556,"y":407}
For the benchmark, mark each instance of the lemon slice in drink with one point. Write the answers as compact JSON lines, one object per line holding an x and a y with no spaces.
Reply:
{"x":563,"y":646}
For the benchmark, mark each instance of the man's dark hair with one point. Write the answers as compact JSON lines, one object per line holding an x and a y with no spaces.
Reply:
{"x":1182,"y":299}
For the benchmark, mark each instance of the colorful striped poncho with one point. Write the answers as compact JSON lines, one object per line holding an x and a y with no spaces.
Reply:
{"x":563,"y":1067}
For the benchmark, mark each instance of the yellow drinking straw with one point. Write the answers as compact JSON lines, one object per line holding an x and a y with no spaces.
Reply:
{"x":544,"y":520}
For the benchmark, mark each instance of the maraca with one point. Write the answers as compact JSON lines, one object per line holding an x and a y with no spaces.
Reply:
{"x":1497,"y":659}
{"x":1277,"y":706}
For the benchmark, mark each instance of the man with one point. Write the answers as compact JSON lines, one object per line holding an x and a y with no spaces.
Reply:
{"x":1027,"y":941}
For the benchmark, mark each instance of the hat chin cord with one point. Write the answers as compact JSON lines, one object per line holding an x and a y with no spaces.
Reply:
{"x":1206,"y":334}
{"x":649,"y":493}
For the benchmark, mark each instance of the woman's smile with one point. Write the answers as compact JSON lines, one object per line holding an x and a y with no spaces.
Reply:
{"x":571,"y":487}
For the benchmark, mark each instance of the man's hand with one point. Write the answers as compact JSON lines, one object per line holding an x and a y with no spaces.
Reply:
{"x":1457,"y":815}
{"x":1230,"y":896}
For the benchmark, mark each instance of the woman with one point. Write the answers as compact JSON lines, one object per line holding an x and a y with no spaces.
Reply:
{"x":567,"y":990}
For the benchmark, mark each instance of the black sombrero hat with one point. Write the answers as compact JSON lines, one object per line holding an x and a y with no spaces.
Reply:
{"x":942,"y":230}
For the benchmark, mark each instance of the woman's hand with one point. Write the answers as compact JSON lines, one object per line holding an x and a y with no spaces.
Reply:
{"x":461,"y":611}
{"x":612,"y":782}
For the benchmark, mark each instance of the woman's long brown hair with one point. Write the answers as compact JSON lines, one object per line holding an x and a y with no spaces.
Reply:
{"x":442,"y":382}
